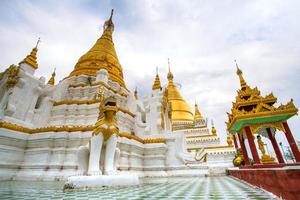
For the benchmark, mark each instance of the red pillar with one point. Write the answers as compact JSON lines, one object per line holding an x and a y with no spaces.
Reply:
{"x":252,"y":145}
{"x":244,"y":151}
{"x":292,"y":142}
{"x":235,"y":142}
{"x":275,"y":146}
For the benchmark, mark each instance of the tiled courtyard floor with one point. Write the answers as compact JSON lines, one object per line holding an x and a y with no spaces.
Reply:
{"x":195,"y":188}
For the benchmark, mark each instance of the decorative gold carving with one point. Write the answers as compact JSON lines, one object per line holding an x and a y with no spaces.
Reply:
{"x":107,"y":123}
{"x":211,"y":147}
{"x":78,"y":102}
{"x":15,"y":127}
{"x":200,"y":136}
{"x":256,"y":127}
{"x":19,"y":128}
{"x":12,"y":78}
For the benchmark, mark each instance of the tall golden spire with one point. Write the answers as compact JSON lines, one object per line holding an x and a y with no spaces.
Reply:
{"x":31,"y":58}
{"x":240,"y":74}
{"x":180,"y":110}
{"x":197,"y":115}
{"x":52,"y":79}
{"x":101,"y":56}
{"x":156,"y":85}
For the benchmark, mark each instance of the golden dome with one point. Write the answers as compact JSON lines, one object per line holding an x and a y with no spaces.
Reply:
{"x":180,"y":110}
{"x":101,"y":56}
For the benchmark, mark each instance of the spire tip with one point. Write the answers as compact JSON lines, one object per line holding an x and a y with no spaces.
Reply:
{"x":37,"y":43}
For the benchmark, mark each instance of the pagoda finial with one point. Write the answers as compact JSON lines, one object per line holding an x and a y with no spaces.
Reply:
{"x":136,"y":93}
{"x":37,"y":43}
{"x":213,"y":129}
{"x":109,"y":23}
{"x":111,"y":14}
{"x":31,"y":59}
{"x":156,"y":85}
{"x":197,"y":115}
{"x":52,"y":79}
{"x":240,"y":74}
{"x":170,"y":75}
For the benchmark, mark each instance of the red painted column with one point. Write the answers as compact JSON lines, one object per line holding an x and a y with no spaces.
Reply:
{"x":275,"y":146}
{"x":292,"y":142}
{"x":252,"y":145}
{"x":244,"y":150}
{"x":235,"y":142}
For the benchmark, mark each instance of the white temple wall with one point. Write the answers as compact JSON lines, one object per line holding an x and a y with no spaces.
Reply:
{"x":21,"y":102}
{"x":49,"y":156}
{"x":153,"y":111}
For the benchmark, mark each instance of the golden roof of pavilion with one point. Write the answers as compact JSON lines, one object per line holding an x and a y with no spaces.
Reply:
{"x":253,"y":109}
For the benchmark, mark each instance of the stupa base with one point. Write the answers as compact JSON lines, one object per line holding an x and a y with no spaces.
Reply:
{"x":93,"y":182}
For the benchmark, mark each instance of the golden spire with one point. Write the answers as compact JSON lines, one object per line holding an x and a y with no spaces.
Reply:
{"x":156,"y":85}
{"x":170,"y":75}
{"x":101,"y":56}
{"x":109,"y":23}
{"x":180,"y":110}
{"x":240,"y":74}
{"x":52,"y":79}
{"x":197,"y":115}
{"x":31,"y":58}
{"x":136,"y":94}
{"x":213,"y":129}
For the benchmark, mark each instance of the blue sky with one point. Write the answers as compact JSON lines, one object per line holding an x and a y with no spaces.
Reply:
{"x":201,"y":38}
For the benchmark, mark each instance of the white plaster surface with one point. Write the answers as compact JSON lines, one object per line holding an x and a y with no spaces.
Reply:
{"x":78,"y":182}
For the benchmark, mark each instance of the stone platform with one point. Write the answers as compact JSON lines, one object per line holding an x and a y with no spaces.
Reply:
{"x":93,"y":182}
{"x":283,"y":182}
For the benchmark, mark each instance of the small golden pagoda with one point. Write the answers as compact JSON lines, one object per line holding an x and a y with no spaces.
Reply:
{"x":31,"y":59}
{"x":252,"y":112}
{"x":52,"y":79}
{"x":180,"y":110}
{"x":156,"y":85}
{"x":197,"y":115}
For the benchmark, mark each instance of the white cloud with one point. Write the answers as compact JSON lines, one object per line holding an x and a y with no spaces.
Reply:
{"x":202,"y":38}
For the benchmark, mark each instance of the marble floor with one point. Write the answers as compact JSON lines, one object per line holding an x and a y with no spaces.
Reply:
{"x":194,"y":188}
